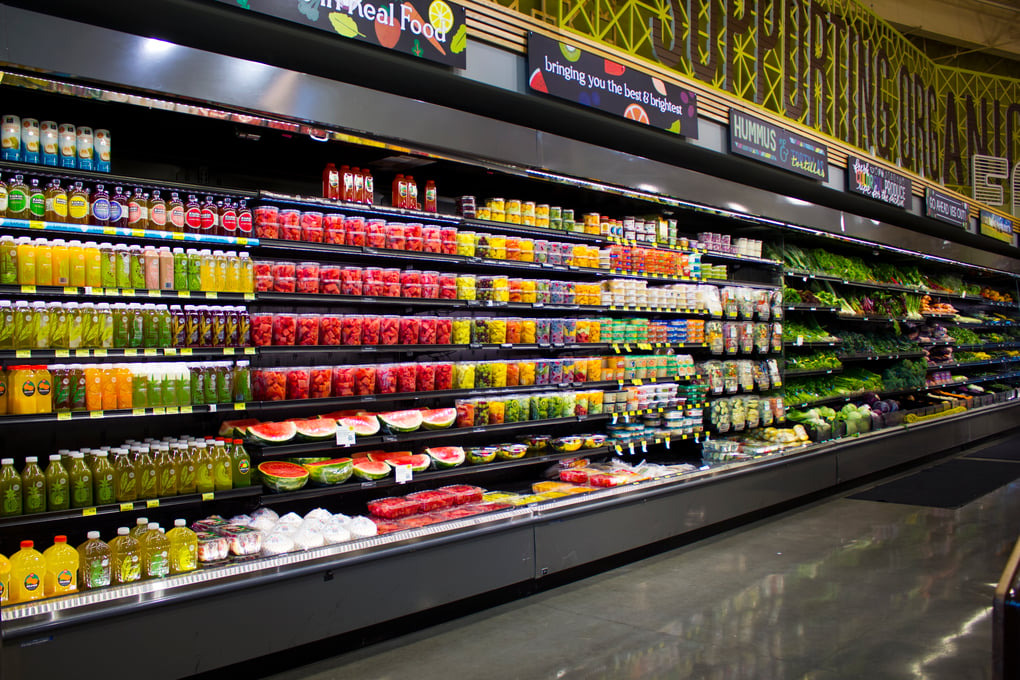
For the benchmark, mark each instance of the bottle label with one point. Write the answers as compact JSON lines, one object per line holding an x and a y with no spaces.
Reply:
{"x":100,"y":208}
{"x":44,"y":387}
{"x":134,"y":212}
{"x":58,"y":495}
{"x":32,"y":582}
{"x":65,"y":578}
{"x":117,"y":210}
{"x":57,"y":205}
{"x":28,"y":388}
{"x":158,"y":215}
{"x":177,"y":216}
{"x":193,"y":218}
{"x":229,"y":221}
{"x":18,"y":201}
{"x":98,"y":573}
{"x":207,"y":219}
{"x":244,"y":222}
{"x":37,"y":205}
{"x":3,"y":197}
{"x":12,"y":500}
{"x":104,"y":490}
{"x":430,"y":194}
{"x":159,"y":565}
{"x":244,"y":466}
{"x":82,"y":492}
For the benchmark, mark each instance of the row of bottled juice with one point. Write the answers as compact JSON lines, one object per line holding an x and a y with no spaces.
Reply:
{"x":30,"y":389}
{"x":139,"y":471}
{"x":55,"y":262}
{"x":26,"y":140}
{"x":357,"y":185}
{"x":87,"y":325}
{"x":144,"y":552}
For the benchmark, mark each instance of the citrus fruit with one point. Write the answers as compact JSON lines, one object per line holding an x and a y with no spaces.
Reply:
{"x":440,"y":16}
{"x":635,"y":112}
{"x":570,"y":53}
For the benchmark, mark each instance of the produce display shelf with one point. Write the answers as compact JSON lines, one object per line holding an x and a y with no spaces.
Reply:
{"x":88,"y":292}
{"x":988,"y":345}
{"x":812,"y":344}
{"x":986,"y":326}
{"x":939,"y":343}
{"x":874,"y":285}
{"x":735,"y":257}
{"x":811,"y":371}
{"x":99,"y":232}
{"x":937,"y":315}
{"x":37,"y":418}
{"x":457,"y":473}
{"x":618,"y":347}
{"x":357,"y":208}
{"x":183,"y":501}
{"x":976,"y":299}
{"x":872,"y":318}
{"x":129,"y":353}
{"x":285,"y":450}
{"x":968,"y":364}
{"x":905,"y":354}
{"x":630,"y":448}
{"x":810,"y":308}
{"x":615,"y":416}
{"x":999,"y":376}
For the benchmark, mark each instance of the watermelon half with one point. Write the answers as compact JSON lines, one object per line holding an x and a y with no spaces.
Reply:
{"x":446,"y":456}
{"x":330,"y":472}
{"x":438,"y":418}
{"x":370,"y":470}
{"x":363,"y":426}
{"x":273,"y":433}
{"x":316,"y":429}
{"x":236,"y":428}
{"x":308,"y":460}
{"x":278,"y":475}
{"x":401,"y":421}
{"x":418,"y":462}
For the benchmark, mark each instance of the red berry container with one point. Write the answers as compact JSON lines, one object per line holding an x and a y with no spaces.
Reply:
{"x":284,"y":329}
{"x":432,"y":231}
{"x":389,"y":330}
{"x":375,"y":234}
{"x":396,"y":238}
{"x":297,"y":382}
{"x":414,"y":230}
{"x":364,"y":380}
{"x":350,"y":330}
{"x":307,"y":330}
{"x":261,"y":329}
{"x":443,"y":375}
{"x":464,"y":493}
{"x":267,"y":221}
{"x":333,"y":231}
{"x":330,"y":330}
{"x":311,"y":226}
{"x":427,"y":330}
{"x":386,"y":379}
{"x":444,"y":330}
{"x":290,"y":225}
{"x":344,"y":381}
{"x":307,"y":270}
{"x":329,"y":279}
{"x":447,"y":287}
{"x":320,"y":383}
{"x":304,"y":285}
{"x":408,"y":330}
{"x":425,"y":377}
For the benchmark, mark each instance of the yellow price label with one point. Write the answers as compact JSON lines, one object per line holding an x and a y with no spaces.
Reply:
{"x":626,"y":346}
{"x":212,"y":295}
{"x":112,"y":292}
{"x":186,"y":409}
{"x":138,"y":411}
{"x":228,"y":351}
{"x":88,"y":512}
{"x":36,"y":224}
{"x":62,"y":353}
{"x":172,"y":410}
{"x":138,"y":233}
{"x":186,"y":352}
{"x":131,"y":352}
{"x":208,"y":496}
{"x":96,"y":414}
{"x":249,"y":296}
{"x":240,"y":406}
{"x":155,"y":293}
{"x":23,"y":353}
{"x":242,"y":241}
{"x":100,"y":352}
{"x":28,"y":289}
{"x":170,"y":352}
{"x":637,"y":381}
{"x":109,"y":231}
{"x":159,"y":411}
{"x":184,"y":293}
{"x":129,"y":292}
{"x":177,"y":236}
{"x":249,"y":350}
{"x":152,"y":503}
{"x":70,"y":290}
{"x":151,"y":352}
{"x":127,"y":507}
{"x":616,"y":348}
{"x":64,"y":415}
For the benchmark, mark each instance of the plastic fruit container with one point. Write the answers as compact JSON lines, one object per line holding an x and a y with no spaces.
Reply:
{"x":329,"y":279}
{"x":427,"y":330}
{"x":350,"y":330}
{"x":371,"y":327}
{"x":261,"y":329}
{"x":274,"y":385}
{"x":443,"y":375}
{"x":330,"y":332}
{"x":429,"y":501}
{"x":393,"y":507}
{"x":410,"y":327}
{"x":307,"y":330}
{"x":343,"y":381}
{"x":391,"y":282}
{"x":305,"y":285}
{"x":375,"y":234}
{"x":263,"y":284}
{"x":333,"y":231}
{"x":297,"y":382}
{"x":444,"y":331}
{"x":425,"y":377}
{"x":566,"y":444}
{"x":364,"y":380}
{"x":284,"y":329}
{"x":267,"y":221}
{"x":284,"y":284}
{"x":311,"y":226}
{"x":407,"y":377}
{"x":396,"y":239}
{"x":389,"y":330}
{"x":386,"y":379}
{"x":320,"y":382}
{"x":290,"y":225}
{"x":410,"y":284}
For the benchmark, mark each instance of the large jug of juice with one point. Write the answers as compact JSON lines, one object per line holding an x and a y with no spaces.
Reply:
{"x":183,"y":548}
{"x":205,"y":479}
{"x":155,"y":553}
{"x":10,"y":489}
{"x":140,"y":528}
{"x":94,"y":563}
{"x":61,"y":568}
{"x":33,"y":486}
{"x":43,"y":262}
{"x":61,"y":263}
{"x":125,"y":558}
{"x":103,"y":487}
{"x":5,"y":580}
{"x":28,"y":569}
{"x":58,"y":485}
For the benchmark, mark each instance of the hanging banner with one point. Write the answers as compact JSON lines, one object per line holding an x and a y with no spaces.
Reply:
{"x":946,"y":208}
{"x":996,"y":226}
{"x":764,"y":142}
{"x":584,"y":78}
{"x":435,"y":30}
{"x":873,"y":181}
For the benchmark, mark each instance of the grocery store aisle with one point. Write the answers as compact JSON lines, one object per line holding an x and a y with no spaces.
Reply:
{"x":841,"y":589}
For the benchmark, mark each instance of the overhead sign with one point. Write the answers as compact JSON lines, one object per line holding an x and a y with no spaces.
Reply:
{"x":946,"y":208}
{"x":865,"y":178}
{"x":435,"y":30}
{"x":764,"y":142}
{"x":584,"y":78}
{"x":996,"y":226}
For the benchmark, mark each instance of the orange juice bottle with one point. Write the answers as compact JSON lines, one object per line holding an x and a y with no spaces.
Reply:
{"x":43,"y":389}
{"x":93,"y":388}
{"x":123,"y":386}
{"x":43,"y":262}
{"x":76,"y":257}
{"x":108,"y":388}
{"x":61,"y":568}
{"x":28,"y":568}
{"x":93,"y":265}
{"x":26,"y":261}
{"x":61,"y":263}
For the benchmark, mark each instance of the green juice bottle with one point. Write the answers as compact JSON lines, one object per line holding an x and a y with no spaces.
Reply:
{"x":10,"y":489}
{"x":223,"y":477}
{"x":81,"y":482}
{"x":103,"y":488}
{"x":146,"y":473}
{"x":166,"y":469}
{"x":33,"y":485}
{"x":186,"y":469}
{"x":124,"y":478}
{"x":205,"y":480}
{"x":58,"y":485}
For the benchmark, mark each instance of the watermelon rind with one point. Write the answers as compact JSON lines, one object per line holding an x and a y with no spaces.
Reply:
{"x":479,"y":455}
{"x":371,"y":471}
{"x":308,"y":460}
{"x":273,"y":433}
{"x":401,"y":421}
{"x":281,"y":476}
{"x":418,"y":462}
{"x":387,"y":456}
{"x":330,"y":472}
{"x":236,"y":428}
{"x":438,"y":418}
{"x":446,"y":457}
{"x":316,"y":429}
{"x":363,"y":426}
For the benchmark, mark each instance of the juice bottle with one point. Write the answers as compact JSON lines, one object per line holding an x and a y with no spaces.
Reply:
{"x":43,"y":389}
{"x":138,"y":210}
{"x":205,"y":479}
{"x":36,"y":201}
{"x":104,"y":325}
{"x":346,"y":183}
{"x":139,"y":387}
{"x":186,"y":470}
{"x":78,"y":386}
{"x":17,"y":199}
{"x":10,"y":489}
{"x":93,"y":388}
{"x":124,"y":478}
{"x":28,"y":569}
{"x":412,"y":194}
{"x":155,"y":548}
{"x":79,"y":206}
{"x":431,"y":204}
{"x":166,"y":327}
{"x":43,"y":262}
{"x":26,"y":261}
{"x":119,"y":208}
{"x":33,"y":485}
{"x":183,"y":548}
{"x":136,"y":334}
{"x":56,"y":202}
{"x":223,"y":466}
{"x":89,"y":325}
{"x":6,"y":325}
{"x":194,"y":270}
{"x":8,"y":260}
{"x":122,"y":267}
{"x":76,"y":263}
{"x":222,"y":266}
{"x":150,"y":272}
{"x":3,"y":197}
{"x":245,"y":220}
{"x":232,"y":282}
{"x":209,"y":217}
{"x":125,"y":387}
{"x":240,"y":465}
{"x":93,"y":264}
{"x":61,"y":568}
{"x":125,"y":558}
{"x":81,"y":482}
{"x":247,"y":284}
{"x":369,"y":188}
{"x":99,"y":210}
{"x":24,"y":325}
{"x":22,"y":391}
{"x":157,"y":212}
{"x":219,"y":327}
{"x":5,"y":580}
{"x":150,"y":326}
{"x":193,"y":215}
{"x":137,"y":267}
{"x":58,"y":325}
{"x":146,"y":473}
{"x":175,"y":213}
{"x":331,"y":182}
{"x":42,"y":325}
{"x":228,"y":219}
{"x":399,"y":196}
{"x":94,"y":557}
{"x":166,"y":269}
{"x":103,"y":484}
{"x":61,"y":262}
{"x":180,"y":269}
{"x":108,"y":265}
{"x":359,"y":186}
{"x":58,"y":483}
{"x":61,"y":387}
{"x":166,"y":470}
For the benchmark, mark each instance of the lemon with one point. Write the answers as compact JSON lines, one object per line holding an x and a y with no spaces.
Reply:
{"x":440,"y":16}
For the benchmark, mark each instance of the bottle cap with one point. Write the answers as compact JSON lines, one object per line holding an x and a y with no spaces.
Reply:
{"x":92,"y":535}
{"x":59,"y":539}
{"x":27,"y":545}
{"x":55,"y":456}
{"x":153,"y":526}
{"x":123,"y":531}
{"x":142,"y":520}
{"x":7,"y":461}
{"x":180,"y":522}
{"x":31,"y":459}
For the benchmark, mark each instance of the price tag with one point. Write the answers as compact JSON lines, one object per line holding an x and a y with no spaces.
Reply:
{"x":151,"y":352}
{"x":212,"y":408}
{"x":100,"y":353}
{"x":172,"y":410}
{"x":62,"y":353}
{"x":345,"y":436}
{"x":212,"y":295}
{"x":96,"y":414}
{"x":155,"y":293}
{"x":88,"y":512}
{"x":170,"y":352}
{"x":28,"y":289}
{"x":616,"y":348}
{"x":249,"y":296}
{"x":70,"y":290}
{"x":110,"y":231}
{"x":113,"y":292}
{"x":23,"y":353}
{"x":159,"y":411}
{"x":187,"y":352}
{"x":249,"y":350}
{"x":615,"y":418}
{"x":666,"y":441}
{"x":637,"y":381}
{"x":644,"y":446}
{"x":64,"y":415}
{"x":131,"y":352}
{"x":152,"y":503}
{"x":242,"y":241}
{"x":138,"y":233}
{"x":186,"y":409}
{"x":800,"y":340}
{"x":631,"y":448}
{"x":240,"y":405}
{"x":626,"y":346}
{"x":184,"y":293}
{"x":404,"y":474}
{"x":36,"y":224}
{"x":138,"y":411}
{"x":228,"y":351}
{"x":177,"y":236}
{"x":127,"y":507}
{"x":208,"y":496}
{"x":128,"y":292}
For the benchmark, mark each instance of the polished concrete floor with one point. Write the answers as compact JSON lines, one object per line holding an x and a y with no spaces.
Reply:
{"x":841,"y":589}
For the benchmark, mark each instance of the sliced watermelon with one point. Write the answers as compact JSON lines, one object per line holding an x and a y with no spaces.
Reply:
{"x":363,"y":426}
{"x":308,"y":460}
{"x":370,"y":470}
{"x":439,"y":418}
{"x":273,"y":433}
{"x":316,"y":429}
{"x":329,"y":472}
{"x":418,"y":462}
{"x":236,"y":428}
{"x":387,"y":456}
{"x":446,"y":456}
{"x":278,"y":475}
{"x":401,"y":421}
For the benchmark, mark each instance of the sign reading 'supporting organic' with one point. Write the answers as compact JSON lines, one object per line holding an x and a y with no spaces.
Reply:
{"x":584,"y":78}
{"x":435,"y":30}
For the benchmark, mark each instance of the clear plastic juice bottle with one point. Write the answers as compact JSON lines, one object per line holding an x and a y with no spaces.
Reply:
{"x":94,"y":557}
{"x":208,"y":271}
{"x":146,"y":472}
{"x":104,"y":325}
{"x":223,"y":465}
{"x":76,"y":263}
{"x":166,"y":269}
{"x":43,"y":262}
{"x":24,"y":325}
{"x":10,"y":489}
{"x":79,"y":205}
{"x":137,"y":267}
{"x":28,"y":571}
{"x":5,"y":580}
{"x":43,"y":330}
{"x":61,"y":568}
{"x":36,"y":201}
{"x":4,"y":196}
{"x":151,"y":272}
{"x":139,"y":387}
{"x":166,"y":471}
{"x":58,"y":325}
{"x":125,"y":558}
{"x":108,"y":265}
{"x":123,"y":268}
{"x":140,"y":528}
{"x":56,"y":202}
{"x":26,"y":261}
{"x":221,"y":271}
{"x":121,"y":324}
{"x":124,"y":478}
{"x":136,"y":328}
{"x":247,"y":284}
{"x":43,"y":389}
{"x":33,"y":485}
{"x":3,"y":391}
{"x":61,"y":263}
{"x":93,"y":388}
{"x":124,"y":387}
{"x":180,"y":269}
{"x":205,"y":479}
{"x":186,"y":470}
{"x":81,"y":482}
{"x":233,"y":275}
{"x":6,"y":325}
{"x":89,"y":325}
{"x":8,"y":260}
{"x":155,"y":381}
{"x":194,"y":270}
{"x":78,"y":387}
{"x":155,"y":548}
{"x":103,"y":483}
{"x":75,"y":325}
{"x":110,"y":387}
{"x":240,"y":465}
{"x":58,"y":483}
{"x":165,"y":336}
{"x":93,"y":264}
{"x":183,"y":548}
{"x":17,"y":199}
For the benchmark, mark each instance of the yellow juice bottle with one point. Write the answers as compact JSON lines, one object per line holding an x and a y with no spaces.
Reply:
{"x":61,"y":263}
{"x":140,"y":528}
{"x":93,"y":563}
{"x":43,"y":262}
{"x":61,"y":568}
{"x":125,"y":558}
{"x":28,"y":569}
{"x":125,"y":484}
{"x":223,"y":474}
{"x":166,"y":472}
{"x":186,"y":469}
{"x":205,"y":479}
{"x":76,"y":266}
{"x":26,"y":261}
{"x":93,"y":264}
{"x":155,"y":547}
{"x":5,"y":580}
{"x":222,"y":269}
{"x":234,"y":273}
{"x":247,"y":274}
{"x":208,"y":270}
{"x":183,"y":548}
